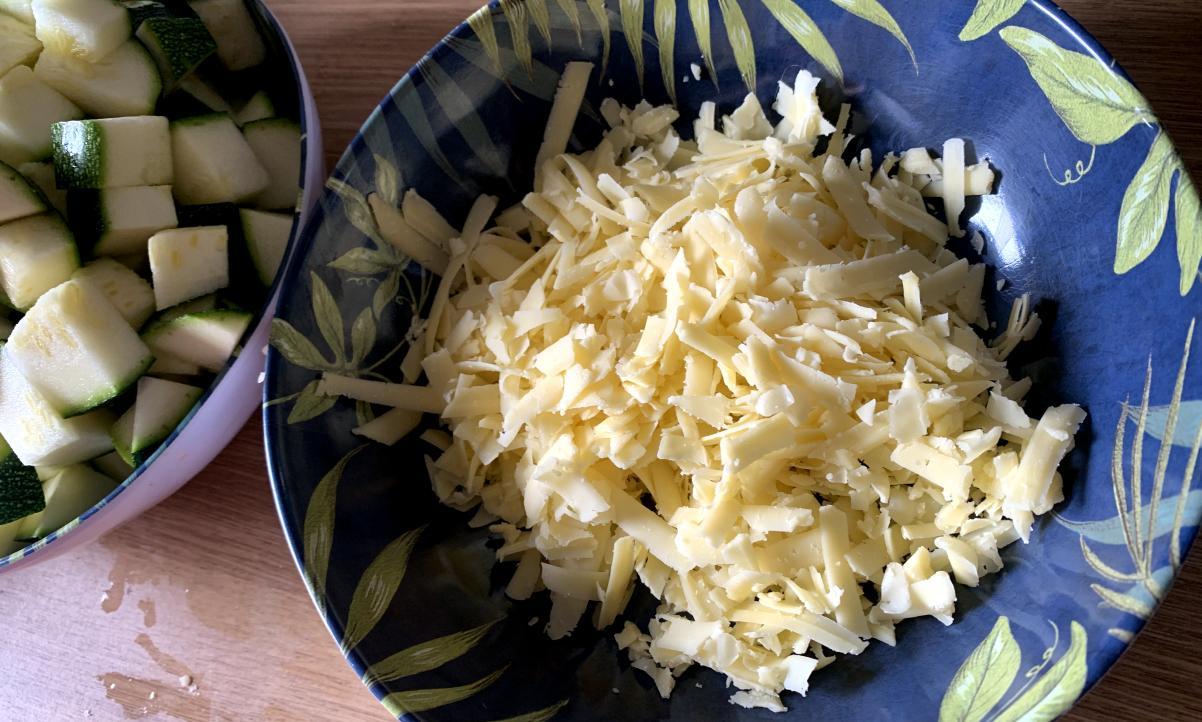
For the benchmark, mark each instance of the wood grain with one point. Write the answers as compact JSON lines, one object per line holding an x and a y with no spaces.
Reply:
{"x":195,"y":611}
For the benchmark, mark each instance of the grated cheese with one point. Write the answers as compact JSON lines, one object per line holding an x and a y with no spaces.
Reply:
{"x":738,"y":370}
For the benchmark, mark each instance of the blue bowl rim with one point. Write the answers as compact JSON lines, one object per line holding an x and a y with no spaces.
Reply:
{"x":289,"y":279}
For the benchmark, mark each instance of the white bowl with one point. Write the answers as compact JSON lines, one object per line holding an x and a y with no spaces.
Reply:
{"x":229,"y":400}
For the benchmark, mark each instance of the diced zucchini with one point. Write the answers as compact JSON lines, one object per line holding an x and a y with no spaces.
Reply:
{"x":18,"y":199}
{"x":20,"y":488}
{"x":6,"y":328}
{"x":207,"y":339}
{"x":142,"y":10}
{"x":69,"y":494}
{"x":178,"y":45}
{"x":277,"y":145}
{"x":167,"y":366}
{"x":129,"y":293}
{"x":37,"y":433}
{"x":215,"y":163}
{"x":113,"y":466}
{"x":239,"y":45}
{"x":125,"y":83}
{"x":18,"y":45}
{"x":113,"y":153}
{"x":36,"y":254}
{"x":119,"y":221}
{"x":42,"y":176}
{"x":28,"y":107}
{"x":19,"y":9}
{"x":159,"y":408}
{"x":266,"y":237}
{"x":204,"y":94}
{"x":77,"y":349}
{"x":8,"y":534}
{"x":259,"y":107}
{"x":196,"y":305}
{"x":186,"y":263}
{"x":84,"y":29}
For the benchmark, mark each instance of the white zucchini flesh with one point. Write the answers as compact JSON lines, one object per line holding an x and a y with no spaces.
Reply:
{"x":18,"y":44}
{"x":19,"y":9}
{"x":207,"y":339}
{"x":215,"y":163}
{"x":113,"y":466}
{"x":125,"y":83}
{"x":259,"y":107}
{"x":239,"y":45}
{"x":36,"y":254}
{"x":277,"y":144}
{"x":18,"y":199}
{"x":119,"y":221}
{"x":158,"y":409}
{"x":186,"y":263}
{"x":36,"y":432}
{"x":28,"y":107}
{"x":85,"y":29}
{"x":42,"y":176}
{"x":129,"y":293}
{"x":113,"y":152}
{"x":69,"y":494}
{"x":266,"y":237}
{"x":76,"y":349}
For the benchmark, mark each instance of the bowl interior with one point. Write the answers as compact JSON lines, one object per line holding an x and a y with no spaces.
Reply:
{"x":399,"y":578}
{"x":282,"y":75}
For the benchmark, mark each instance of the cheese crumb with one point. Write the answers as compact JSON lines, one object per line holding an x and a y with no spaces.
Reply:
{"x":740,"y":371}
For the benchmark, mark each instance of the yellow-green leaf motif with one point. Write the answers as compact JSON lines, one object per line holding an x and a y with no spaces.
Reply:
{"x":1189,"y":231}
{"x":328,"y":316}
{"x":426,"y":656}
{"x":807,"y":34}
{"x":1145,"y":209}
{"x":664,"y":14}
{"x":699,"y":14}
{"x":542,"y":715}
{"x":363,"y":336}
{"x":388,"y":179}
{"x":355,"y":206}
{"x":1123,"y":602}
{"x":519,"y":32}
{"x":1053,"y":693}
{"x":987,"y":15}
{"x":875,"y":13}
{"x":542,"y":19}
{"x":1096,"y":104}
{"x":318,"y":535}
{"x":377,"y":587}
{"x":601,"y":16}
{"x":739,"y":35}
{"x":420,"y":700}
{"x":481,"y":24}
{"x":310,"y":404}
{"x":293,"y":346}
{"x":573,"y":14}
{"x":631,"y":13}
{"x":984,"y":677}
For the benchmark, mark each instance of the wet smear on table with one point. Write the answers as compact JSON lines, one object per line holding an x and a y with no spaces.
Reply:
{"x":166,"y":662}
{"x":149,"y":615}
{"x":142,"y":698}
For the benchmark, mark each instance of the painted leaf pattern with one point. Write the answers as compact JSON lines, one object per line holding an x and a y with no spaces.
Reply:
{"x":388,"y":179}
{"x":631,"y":12}
{"x":699,"y":15}
{"x":1053,"y":693}
{"x":542,"y":715}
{"x":377,"y":587}
{"x":328,"y":316}
{"x":875,"y":13}
{"x":987,"y":15}
{"x":1096,"y":104}
{"x":363,"y":336}
{"x":1188,"y":213}
{"x":420,"y":700}
{"x":426,"y":656}
{"x":739,"y":35}
{"x":318,"y":534}
{"x":984,"y":677}
{"x":807,"y":34}
{"x":1145,"y":209}
{"x":310,"y":404}
{"x":664,"y":13}
{"x":295,"y":347}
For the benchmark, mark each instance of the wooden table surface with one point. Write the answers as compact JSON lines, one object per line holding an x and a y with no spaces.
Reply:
{"x":194,"y":611}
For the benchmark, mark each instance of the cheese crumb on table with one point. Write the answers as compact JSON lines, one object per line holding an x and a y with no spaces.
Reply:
{"x":740,"y":370}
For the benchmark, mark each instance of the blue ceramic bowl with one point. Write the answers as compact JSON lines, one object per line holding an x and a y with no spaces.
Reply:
{"x":1091,"y":205}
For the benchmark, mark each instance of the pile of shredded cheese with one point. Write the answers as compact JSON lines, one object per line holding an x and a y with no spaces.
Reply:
{"x":740,"y":368}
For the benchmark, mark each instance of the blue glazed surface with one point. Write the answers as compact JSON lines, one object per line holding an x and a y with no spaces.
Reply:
{"x":453,"y":129}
